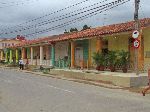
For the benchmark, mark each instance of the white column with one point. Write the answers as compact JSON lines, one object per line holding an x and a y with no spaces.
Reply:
{"x":31,"y":55}
{"x":41,"y":55}
{"x":1,"y":55}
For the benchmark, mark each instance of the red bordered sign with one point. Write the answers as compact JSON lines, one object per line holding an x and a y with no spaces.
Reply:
{"x":136,"y":43}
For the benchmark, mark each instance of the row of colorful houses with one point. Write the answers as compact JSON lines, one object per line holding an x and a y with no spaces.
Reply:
{"x":75,"y":49}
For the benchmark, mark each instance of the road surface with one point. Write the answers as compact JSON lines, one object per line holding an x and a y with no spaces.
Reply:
{"x":25,"y":92}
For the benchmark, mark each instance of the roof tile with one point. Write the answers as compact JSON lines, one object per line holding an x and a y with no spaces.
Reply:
{"x":99,"y":31}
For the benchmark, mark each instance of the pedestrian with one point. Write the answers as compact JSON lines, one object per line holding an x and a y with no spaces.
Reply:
{"x":148,"y":87}
{"x":20,"y":64}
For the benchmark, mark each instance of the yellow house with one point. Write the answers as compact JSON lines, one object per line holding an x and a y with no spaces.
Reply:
{"x":6,"y":42}
{"x":77,"y":48}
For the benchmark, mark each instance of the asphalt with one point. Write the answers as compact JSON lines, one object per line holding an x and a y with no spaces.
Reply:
{"x":26,"y":92}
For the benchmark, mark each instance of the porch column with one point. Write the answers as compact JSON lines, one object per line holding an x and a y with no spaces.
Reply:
{"x":10,"y":56}
{"x":99,"y":45}
{"x":28,"y":53}
{"x":23,"y":53}
{"x":17,"y":56}
{"x":2,"y":54}
{"x":141,"y":53}
{"x":90,"y":55}
{"x":69,"y":54}
{"x":31,"y":55}
{"x":41,"y":55}
{"x":6,"y":56}
{"x":72,"y":54}
{"x":53,"y":54}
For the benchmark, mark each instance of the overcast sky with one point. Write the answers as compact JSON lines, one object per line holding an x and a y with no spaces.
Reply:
{"x":14,"y":12}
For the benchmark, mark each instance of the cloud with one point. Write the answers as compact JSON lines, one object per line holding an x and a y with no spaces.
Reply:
{"x":17,"y":14}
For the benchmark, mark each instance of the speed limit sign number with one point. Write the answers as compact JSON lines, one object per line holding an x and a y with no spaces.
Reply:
{"x":136,"y":43}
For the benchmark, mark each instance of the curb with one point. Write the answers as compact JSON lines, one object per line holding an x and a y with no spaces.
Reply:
{"x":99,"y":84}
{"x":72,"y":79}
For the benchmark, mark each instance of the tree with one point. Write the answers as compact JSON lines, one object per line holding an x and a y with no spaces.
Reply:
{"x":86,"y":27}
{"x":66,"y":31}
{"x":73,"y":29}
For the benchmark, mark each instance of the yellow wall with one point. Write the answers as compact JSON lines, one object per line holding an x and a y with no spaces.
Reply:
{"x":9,"y":41}
{"x":118,"y":42}
{"x":121,"y":43}
{"x":146,"y":34}
{"x":93,"y":49}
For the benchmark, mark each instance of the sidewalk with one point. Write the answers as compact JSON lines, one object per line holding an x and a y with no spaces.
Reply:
{"x":115,"y":78}
{"x":105,"y":84}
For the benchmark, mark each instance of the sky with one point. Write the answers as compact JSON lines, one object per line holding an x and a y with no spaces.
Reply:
{"x":16,"y":14}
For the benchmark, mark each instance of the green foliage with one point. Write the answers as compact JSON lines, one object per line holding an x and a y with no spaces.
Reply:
{"x":73,"y":30}
{"x":99,"y":59}
{"x":123,"y":58}
{"x":112,"y":58}
{"x":66,"y":31}
{"x":85,"y":27}
{"x":46,"y":71}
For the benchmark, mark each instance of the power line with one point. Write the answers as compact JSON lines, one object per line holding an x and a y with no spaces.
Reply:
{"x":78,"y":19}
{"x":61,"y":17}
{"x":46,"y":15}
{"x":81,"y":18}
{"x":10,"y":4}
{"x":142,"y":11}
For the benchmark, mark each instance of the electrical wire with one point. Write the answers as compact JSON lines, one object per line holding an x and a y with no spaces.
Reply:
{"x":62,"y":17}
{"x":79,"y":19}
{"x":10,"y":4}
{"x":142,"y":11}
{"x":46,"y":15}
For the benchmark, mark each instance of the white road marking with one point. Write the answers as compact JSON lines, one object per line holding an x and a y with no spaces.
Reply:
{"x":51,"y":86}
{"x":7,"y":81}
{"x":20,"y":78}
{"x":60,"y":89}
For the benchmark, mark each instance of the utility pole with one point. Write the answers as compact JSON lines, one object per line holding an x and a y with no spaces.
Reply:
{"x":137,"y":27}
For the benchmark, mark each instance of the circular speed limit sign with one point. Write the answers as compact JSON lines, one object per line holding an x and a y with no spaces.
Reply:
{"x":135,"y":34}
{"x":136,"y":43}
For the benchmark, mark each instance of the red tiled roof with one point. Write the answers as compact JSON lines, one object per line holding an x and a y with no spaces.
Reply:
{"x":99,"y":31}
{"x":105,"y":30}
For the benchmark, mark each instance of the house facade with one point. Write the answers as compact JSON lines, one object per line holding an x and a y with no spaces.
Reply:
{"x":75,"y":50}
{"x":6,"y":42}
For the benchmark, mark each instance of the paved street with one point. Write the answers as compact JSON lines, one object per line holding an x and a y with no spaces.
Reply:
{"x":24,"y":92}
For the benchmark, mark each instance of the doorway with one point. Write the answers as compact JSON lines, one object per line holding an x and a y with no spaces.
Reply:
{"x":78,"y":56}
